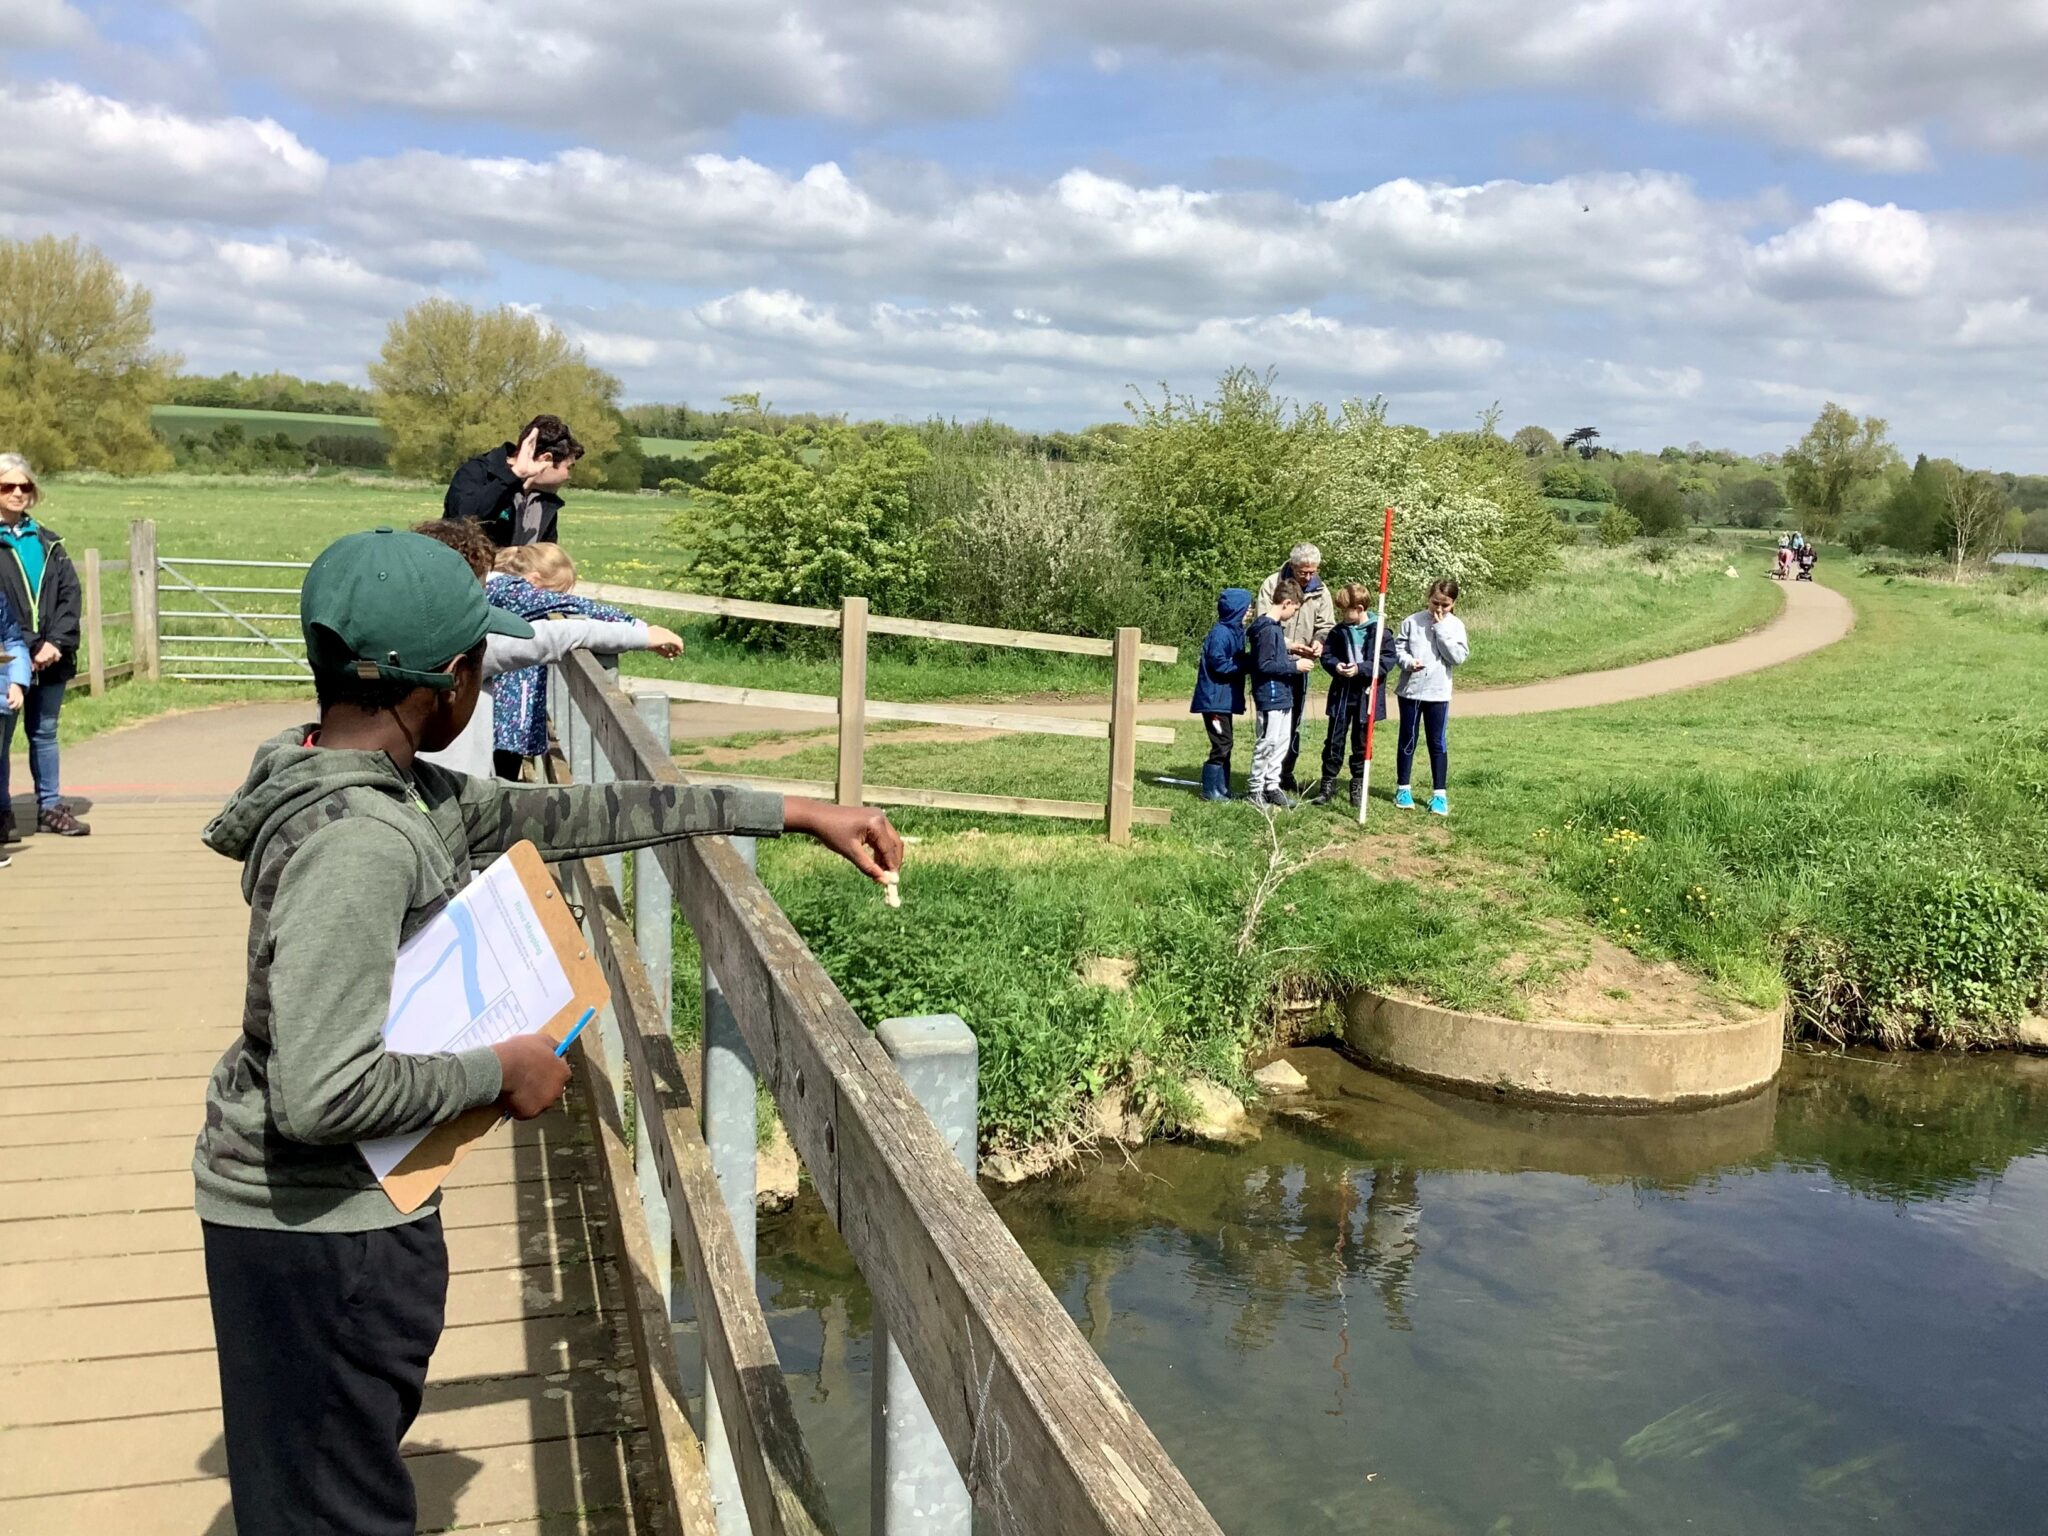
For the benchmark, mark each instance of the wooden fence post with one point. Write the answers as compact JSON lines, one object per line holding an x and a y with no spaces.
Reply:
{"x":853,"y":698}
{"x":142,"y":598}
{"x":95,"y":629}
{"x":1123,"y":737}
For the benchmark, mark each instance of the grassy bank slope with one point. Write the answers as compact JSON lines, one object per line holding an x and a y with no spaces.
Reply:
{"x":1867,"y":827}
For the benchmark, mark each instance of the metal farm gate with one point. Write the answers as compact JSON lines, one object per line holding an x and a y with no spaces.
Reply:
{"x":233,"y":632}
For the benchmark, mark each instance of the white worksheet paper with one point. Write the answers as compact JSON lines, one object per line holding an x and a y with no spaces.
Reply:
{"x":480,"y":972}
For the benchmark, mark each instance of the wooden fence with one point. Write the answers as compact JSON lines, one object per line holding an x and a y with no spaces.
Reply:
{"x":852,"y":709}
{"x":96,"y":622}
{"x":235,"y":627}
{"x":1041,"y":1436}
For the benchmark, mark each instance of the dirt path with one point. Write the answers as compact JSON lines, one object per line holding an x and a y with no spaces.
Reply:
{"x":1813,"y":616}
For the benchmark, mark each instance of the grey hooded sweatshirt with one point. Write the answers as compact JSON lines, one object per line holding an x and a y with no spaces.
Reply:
{"x":344,"y":857}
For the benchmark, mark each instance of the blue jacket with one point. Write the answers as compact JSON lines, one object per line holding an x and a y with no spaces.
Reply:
{"x":1219,"y":680}
{"x":1346,"y":699}
{"x":1273,"y":666}
{"x":14,"y":644}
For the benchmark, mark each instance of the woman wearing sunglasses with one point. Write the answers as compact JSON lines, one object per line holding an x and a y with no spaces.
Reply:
{"x":38,"y":581}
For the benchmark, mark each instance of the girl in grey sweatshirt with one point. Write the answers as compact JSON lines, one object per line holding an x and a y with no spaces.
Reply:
{"x":1430,"y":643}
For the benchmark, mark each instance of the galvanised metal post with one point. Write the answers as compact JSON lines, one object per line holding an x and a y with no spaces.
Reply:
{"x":729,"y":1079}
{"x":654,"y":937}
{"x":917,"y":1491}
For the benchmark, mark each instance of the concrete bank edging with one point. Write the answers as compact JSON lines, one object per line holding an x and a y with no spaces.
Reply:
{"x":1561,"y":1062}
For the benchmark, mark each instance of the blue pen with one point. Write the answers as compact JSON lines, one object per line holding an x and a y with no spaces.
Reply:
{"x":562,"y":1047}
{"x":570,"y":1038}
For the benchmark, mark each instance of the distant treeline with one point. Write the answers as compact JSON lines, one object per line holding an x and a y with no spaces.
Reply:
{"x":270,"y":392}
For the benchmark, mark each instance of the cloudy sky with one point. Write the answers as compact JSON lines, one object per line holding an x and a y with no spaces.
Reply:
{"x":1669,"y":221}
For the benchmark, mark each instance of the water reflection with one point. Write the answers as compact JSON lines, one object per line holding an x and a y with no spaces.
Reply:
{"x":1402,"y":1311}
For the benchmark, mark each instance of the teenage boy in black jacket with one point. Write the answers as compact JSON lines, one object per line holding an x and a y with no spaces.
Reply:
{"x":1347,"y":657}
{"x":511,"y":489}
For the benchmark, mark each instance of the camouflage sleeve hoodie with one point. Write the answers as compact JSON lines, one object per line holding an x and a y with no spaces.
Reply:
{"x":344,"y":857}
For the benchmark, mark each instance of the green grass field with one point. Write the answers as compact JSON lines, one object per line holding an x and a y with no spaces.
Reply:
{"x":1603,"y":608}
{"x":1850,"y":826}
{"x":176,"y":421}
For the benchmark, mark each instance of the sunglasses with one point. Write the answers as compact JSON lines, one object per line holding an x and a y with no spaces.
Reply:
{"x":26,"y":488}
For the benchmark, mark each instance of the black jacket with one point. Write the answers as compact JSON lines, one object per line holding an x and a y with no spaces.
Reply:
{"x":486,"y":489}
{"x":1347,"y":694}
{"x":55,"y":613}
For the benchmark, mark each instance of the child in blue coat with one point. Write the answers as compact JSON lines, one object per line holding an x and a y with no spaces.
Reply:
{"x":1219,"y":688}
{"x":1348,"y":657}
{"x":15,"y":677}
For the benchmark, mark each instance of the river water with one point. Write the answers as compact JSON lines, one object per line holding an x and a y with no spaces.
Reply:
{"x":1403,"y":1312}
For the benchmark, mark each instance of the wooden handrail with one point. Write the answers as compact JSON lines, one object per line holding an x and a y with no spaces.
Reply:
{"x":1041,"y":1432}
{"x":1020,"y":721}
{"x":828,"y":618}
{"x":778,"y":1482}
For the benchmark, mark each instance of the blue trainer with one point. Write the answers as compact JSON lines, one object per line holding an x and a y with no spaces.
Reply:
{"x":1438,"y":805}
{"x":1404,"y":799}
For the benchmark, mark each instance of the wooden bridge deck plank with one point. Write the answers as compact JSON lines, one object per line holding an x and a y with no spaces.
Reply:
{"x":532,"y":1413}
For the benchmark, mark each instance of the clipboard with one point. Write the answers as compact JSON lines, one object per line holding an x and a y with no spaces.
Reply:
{"x":422,"y":1170}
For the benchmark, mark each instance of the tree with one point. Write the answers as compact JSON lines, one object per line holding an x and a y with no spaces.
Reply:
{"x":1217,"y":491}
{"x":1617,"y":526}
{"x":1974,"y":515}
{"x":453,"y":381}
{"x":812,"y":528}
{"x":1837,"y":455}
{"x":1465,"y":505}
{"x":1755,"y":501}
{"x":1912,"y":518}
{"x":77,"y":375}
{"x":1536,"y":442}
{"x":1581,"y":438}
{"x":1651,"y":497}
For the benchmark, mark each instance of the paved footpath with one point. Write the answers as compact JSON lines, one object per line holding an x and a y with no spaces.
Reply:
{"x":1813,"y":616}
{"x":122,"y":977}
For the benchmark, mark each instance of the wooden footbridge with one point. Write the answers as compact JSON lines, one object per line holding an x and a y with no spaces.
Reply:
{"x":555,"y":1403}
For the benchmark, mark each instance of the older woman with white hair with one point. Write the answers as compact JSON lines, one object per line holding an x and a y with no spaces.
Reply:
{"x":1306,"y":632}
{"x":38,"y":581}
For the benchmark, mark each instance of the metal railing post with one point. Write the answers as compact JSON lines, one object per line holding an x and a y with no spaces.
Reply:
{"x":654,"y":937}
{"x":729,"y":1079}
{"x":916,"y":1489}
{"x":604,"y":773}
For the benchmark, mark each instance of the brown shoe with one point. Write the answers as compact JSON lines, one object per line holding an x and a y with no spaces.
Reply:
{"x":58,"y":819}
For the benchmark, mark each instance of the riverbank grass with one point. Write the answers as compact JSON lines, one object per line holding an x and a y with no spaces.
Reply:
{"x":1864,"y":831}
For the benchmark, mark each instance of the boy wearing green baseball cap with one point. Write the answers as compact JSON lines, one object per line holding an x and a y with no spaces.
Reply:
{"x":327,"y":1301}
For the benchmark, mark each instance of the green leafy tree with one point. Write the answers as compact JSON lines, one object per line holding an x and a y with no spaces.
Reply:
{"x":1753,"y":501}
{"x":1911,"y":518}
{"x":1216,"y":491}
{"x":2034,"y":532}
{"x":453,"y":381}
{"x":814,"y":527}
{"x":1536,"y":442}
{"x":1617,"y":526}
{"x":77,"y":373}
{"x":1464,"y":505}
{"x":1581,"y":438}
{"x":1837,"y":456}
{"x":1652,"y":498}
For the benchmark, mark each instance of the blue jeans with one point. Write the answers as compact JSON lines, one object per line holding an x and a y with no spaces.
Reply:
{"x":39,"y":719}
{"x":1434,"y":717}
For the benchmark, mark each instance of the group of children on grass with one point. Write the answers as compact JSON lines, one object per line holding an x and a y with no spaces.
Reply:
{"x":1292,"y":632}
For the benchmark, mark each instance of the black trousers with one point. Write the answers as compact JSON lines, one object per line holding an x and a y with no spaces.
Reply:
{"x":324,"y":1339}
{"x":507,"y":765}
{"x":1222,"y":736}
{"x":1351,"y":723}
{"x":1431,"y":718}
{"x":1287,"y":780}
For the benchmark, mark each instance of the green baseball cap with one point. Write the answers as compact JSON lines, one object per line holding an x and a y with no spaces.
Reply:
{"x":398,"y":606}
